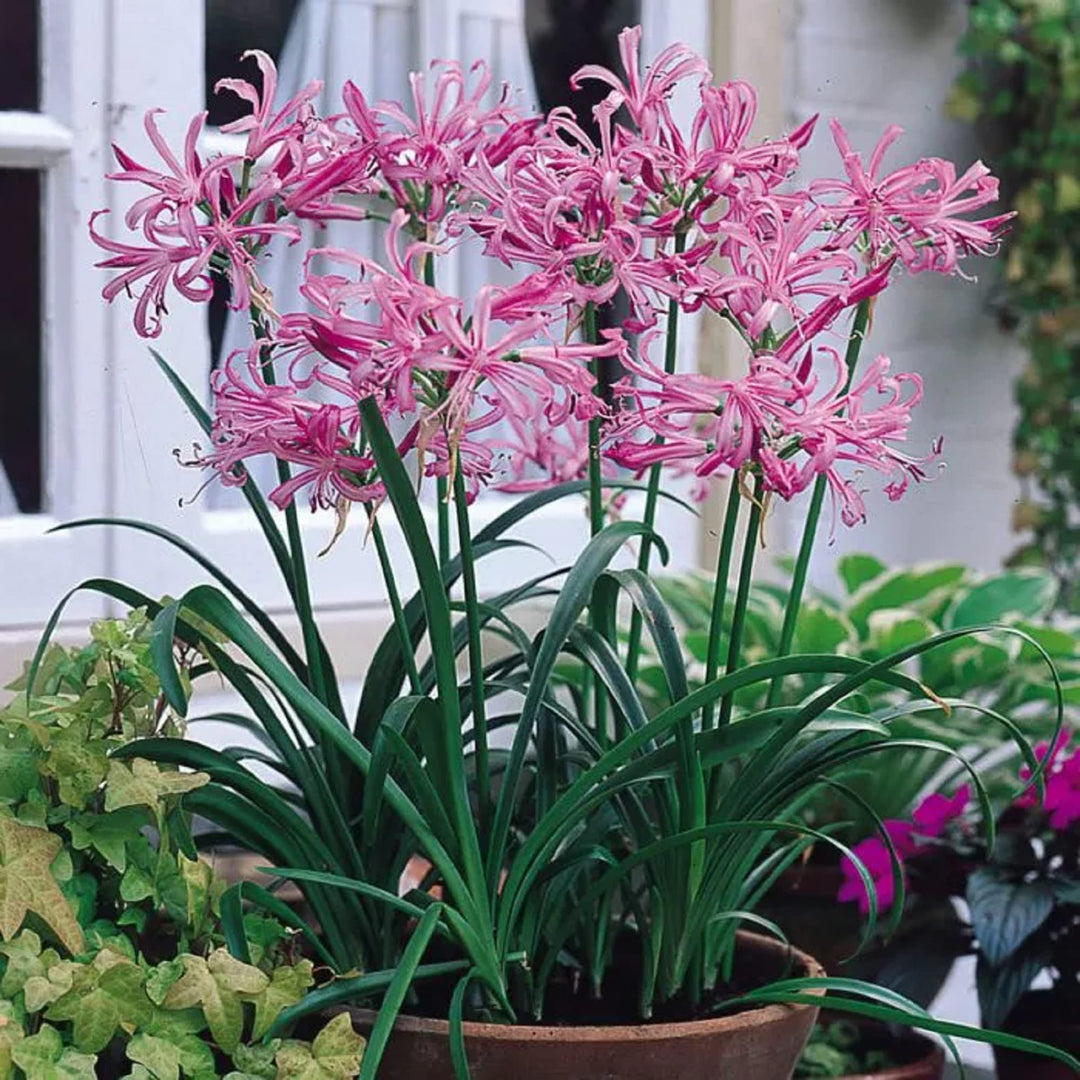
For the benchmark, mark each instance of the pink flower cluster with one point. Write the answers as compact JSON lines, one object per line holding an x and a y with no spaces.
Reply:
{"x":503,"y":387}
{"x":929,"y":822}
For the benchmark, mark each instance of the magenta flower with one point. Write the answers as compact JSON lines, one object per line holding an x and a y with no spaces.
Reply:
{"x":934,"y":814}
{"x":874,"y":856}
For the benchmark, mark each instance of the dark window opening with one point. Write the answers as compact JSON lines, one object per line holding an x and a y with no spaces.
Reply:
{"x":232,"y":27}
{"x":21,"y":51}
{"x":20,"y":342}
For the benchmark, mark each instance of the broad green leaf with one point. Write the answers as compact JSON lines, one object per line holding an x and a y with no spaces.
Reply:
{"x":44,"y":1057}
{"x":924,"y":588}
{"x":335,"y":1054}
{"x":1000,"y":986}
{"x":1004,"y":913}
{"x":1025,"y":593}
{"x":215,"y":985}
{"x":104,"y":996}
{"x":142,"y":783}
{"x":857,"y":569}
{"x":286,"y":987}
{"x":27,"y":884}
{"x":820,"y":630}
{"x":891,"y":629}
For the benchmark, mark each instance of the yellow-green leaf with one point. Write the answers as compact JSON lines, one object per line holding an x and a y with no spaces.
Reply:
{"x":27,"y":884}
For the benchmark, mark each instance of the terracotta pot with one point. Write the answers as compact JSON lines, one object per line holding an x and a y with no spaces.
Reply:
{"x":1046,"y":1016}
{"x":917,"y":1057}
{"x":759,"y":1044}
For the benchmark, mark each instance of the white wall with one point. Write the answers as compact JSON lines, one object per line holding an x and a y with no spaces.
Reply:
{"x":870,"y":63}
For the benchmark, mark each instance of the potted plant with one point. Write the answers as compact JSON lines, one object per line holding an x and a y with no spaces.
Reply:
{"x":843,"y":1049}
{"x":124,"y":954}
{"x":1021,"y":895}
{"x":881,"y":609}
{"x":590,"y":866}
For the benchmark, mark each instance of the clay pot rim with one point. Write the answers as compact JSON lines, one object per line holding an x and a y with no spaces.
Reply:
{"x":622,"y":1033}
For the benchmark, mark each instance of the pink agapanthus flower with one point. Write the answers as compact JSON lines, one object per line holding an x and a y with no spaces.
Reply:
{"x":874,"y":856}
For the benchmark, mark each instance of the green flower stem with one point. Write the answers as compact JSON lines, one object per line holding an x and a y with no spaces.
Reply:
{"x":442,"y":486}
{"x":407,"y":651}
{"x":806,"y":547}
{"x":596,"y":523}
{"x":738,"y":616}
{"x":723,"y":570}
{"x":476,"y":657}
{"x":302,"y":598}
{"x":596,"y":493}
{"x":652,"y":493}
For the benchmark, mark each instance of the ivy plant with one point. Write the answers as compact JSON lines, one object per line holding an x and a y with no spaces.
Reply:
{"x":115,"y":958}
{"x":1021,"y":86}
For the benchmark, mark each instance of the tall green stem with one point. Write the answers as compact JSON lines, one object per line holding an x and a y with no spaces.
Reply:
{"x":652,"y":492}
{"x":817,"y":498}
{"x":312,"y":646}
{"x":596,"y":493}
{"x":476,"y":657}
{"x":719,"y":604}
{"x":596,"y":523}
{"x":442,"y":485}
{"x":742,"y":595}
{"x":407,"y":651}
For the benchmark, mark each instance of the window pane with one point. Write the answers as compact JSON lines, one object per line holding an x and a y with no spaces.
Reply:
{"x":20,"y":343}
{"x":232,"y":26}
{"x":19,"y":71}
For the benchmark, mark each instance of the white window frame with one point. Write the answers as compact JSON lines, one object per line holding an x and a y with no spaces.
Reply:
{"x":133,"y":56}
{"x":64,"y":141}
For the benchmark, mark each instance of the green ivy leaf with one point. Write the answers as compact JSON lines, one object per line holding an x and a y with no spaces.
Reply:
{"x":161,"y":978}
{"x":105,"y":995}
{"x":215,"y":985}
{"x":44,"y":1057}
{"x":286,"y":987}
{"x":335,"y":1054}
{"x":142,"y":783}
{"x":24,"y":960}
{"x":12,"y":1032}
{"x":77,"y":762}
{"x":257,"y":1059}
{"x":107,"y":834}
{"x":160,"y":1057}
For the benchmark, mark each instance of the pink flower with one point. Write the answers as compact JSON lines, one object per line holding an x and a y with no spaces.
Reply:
{"x":933,"y":815}
{"x":874,"y":856}
{"x":265,"y":127}
{"x":1044,"y":752}
{"x":645,"y":97}
{"x":915,"y":210}
{"x":162,"y":263}
{"x":1063,"y":793}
